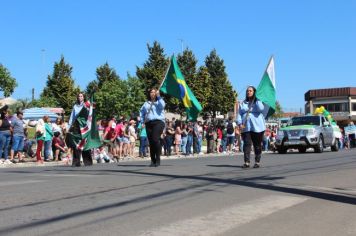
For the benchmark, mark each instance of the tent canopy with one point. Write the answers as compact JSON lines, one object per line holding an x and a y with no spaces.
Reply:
{"x":37,"y":113}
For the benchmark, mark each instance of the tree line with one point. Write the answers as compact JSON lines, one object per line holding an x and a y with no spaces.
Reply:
{"x":115,"y":96}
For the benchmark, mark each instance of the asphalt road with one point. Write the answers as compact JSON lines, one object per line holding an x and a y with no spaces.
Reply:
{"x":292,"y":194}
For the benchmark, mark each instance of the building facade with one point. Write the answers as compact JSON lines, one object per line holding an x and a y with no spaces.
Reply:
{"x":340,"y":102}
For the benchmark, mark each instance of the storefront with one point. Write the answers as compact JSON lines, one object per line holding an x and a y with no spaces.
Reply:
{"x":340,"y":102}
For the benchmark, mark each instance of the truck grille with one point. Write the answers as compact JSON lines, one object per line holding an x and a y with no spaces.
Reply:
{"x":294,"y":133}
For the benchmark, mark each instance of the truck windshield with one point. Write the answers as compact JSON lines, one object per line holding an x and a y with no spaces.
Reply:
{"x":305,"y":120}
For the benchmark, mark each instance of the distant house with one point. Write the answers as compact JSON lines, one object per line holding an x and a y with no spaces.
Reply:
{"x":7,"y":101}
{"x":340,"y":102}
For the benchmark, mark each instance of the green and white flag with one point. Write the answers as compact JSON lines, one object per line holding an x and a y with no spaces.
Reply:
{"x":266,"y":90}
{"x":85,"y":134}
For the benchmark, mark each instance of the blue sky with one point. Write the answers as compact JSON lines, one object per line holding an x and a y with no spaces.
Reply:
{"x":314,"y":42}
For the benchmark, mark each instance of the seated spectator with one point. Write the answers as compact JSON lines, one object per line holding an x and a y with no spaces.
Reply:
{"x":101,"y":156}
{"x":58,"y":146}
{"x":27,"y":148}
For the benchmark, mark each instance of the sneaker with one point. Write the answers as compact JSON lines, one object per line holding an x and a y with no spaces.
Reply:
{"x":257,"y":165}
{"x":22,"y":161}
{"x":7,"y":162}
{"x":246,"y":165}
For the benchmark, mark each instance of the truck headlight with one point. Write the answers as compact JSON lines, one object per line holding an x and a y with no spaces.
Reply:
{"x":308,"y":132}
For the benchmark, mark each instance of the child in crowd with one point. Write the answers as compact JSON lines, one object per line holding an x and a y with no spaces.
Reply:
{"x":101,"y":156}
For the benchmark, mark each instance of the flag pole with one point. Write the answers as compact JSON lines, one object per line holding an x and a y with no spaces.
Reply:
{"x":164,"y":78}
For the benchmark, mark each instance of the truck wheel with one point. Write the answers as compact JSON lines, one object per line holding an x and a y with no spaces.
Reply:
{"x":335,"y":147}
{"x":320,"y":147}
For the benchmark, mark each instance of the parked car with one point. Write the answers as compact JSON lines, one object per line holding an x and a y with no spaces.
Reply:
{"x":311,"y":131}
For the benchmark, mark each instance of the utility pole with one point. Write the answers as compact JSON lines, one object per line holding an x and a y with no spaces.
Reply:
{"x":43,"y":51}
{"x":181,"y":44}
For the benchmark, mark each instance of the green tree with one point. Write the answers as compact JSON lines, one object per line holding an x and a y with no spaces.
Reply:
{"x":279,"y":111}
{"x":203,"y":85}
{"x":103,"y":73}
{"x":110,"y":99}
{"x":188,"y":66}
{"x":154,"y":69}
{"x":223,"y":95}
{"x":21,"y":104}
{"x":135,"y":96}
{"x":44,"y":102}
{"x":92,"y":87}
{"x":7,"y":82}
{"x":60,"y":86}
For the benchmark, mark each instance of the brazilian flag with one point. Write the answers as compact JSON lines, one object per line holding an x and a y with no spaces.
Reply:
{"x":174,"y":84}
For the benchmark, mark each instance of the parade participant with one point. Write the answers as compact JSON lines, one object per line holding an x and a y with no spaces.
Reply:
{"x":252,"y":124}
{"x":152,"y":114}
{"x":75,"y":130}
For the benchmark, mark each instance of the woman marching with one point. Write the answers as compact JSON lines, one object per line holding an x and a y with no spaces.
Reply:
{"x":252,"y":125}
{"x":152,"y":116}
{"x":77,"y":120}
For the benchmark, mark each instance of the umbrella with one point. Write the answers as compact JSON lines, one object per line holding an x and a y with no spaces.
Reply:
{"x":37,"y":113}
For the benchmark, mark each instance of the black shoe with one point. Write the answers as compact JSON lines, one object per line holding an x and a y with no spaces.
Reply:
{"x":152,"y":164}
{"x":257,"y":165}
{"x":246,"y":165}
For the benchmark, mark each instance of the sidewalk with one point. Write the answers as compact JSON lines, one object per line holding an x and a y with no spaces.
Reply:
{"x":31,"y":162}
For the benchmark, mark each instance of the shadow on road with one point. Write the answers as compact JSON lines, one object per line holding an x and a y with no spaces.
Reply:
{"x":205,"y":180}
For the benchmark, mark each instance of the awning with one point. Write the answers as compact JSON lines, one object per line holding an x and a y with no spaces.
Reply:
{"x":37,"y":113}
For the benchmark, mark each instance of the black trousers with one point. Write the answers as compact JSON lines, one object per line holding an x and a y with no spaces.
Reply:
{"x":195,"y":145}
{"x":87,"y":159}
{"x":154,"y":130}
{"x":250,"y":138}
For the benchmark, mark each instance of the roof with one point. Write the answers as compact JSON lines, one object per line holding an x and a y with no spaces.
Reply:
{"x":330,"y":92}
{"x":7,"y":101}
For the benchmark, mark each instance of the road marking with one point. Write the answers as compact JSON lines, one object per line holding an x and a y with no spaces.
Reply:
{"x":65,"y":175}
{"x":224,"y":220}
{"x":310,"y":187}
{"x":10,"y":183}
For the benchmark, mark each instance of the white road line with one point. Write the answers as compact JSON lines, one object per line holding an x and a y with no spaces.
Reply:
{"x":10,"y":183}
{"x":313,"y":188}
{"x":224,"y":220}
{"x":64,"y":175}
